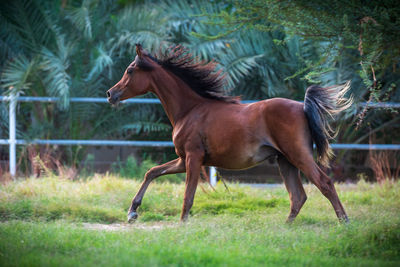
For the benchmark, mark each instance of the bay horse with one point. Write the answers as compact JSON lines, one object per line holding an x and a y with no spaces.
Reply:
{"x":212,"y":129}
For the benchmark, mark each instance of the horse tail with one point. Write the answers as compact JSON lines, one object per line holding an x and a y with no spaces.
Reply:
{"x":320,"y":104}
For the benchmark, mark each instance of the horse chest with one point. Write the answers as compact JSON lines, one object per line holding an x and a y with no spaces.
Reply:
{"x":186,"y":139}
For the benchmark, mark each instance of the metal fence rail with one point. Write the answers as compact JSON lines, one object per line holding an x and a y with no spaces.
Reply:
{"x":79,"y":99}
{"x":69,"y":142}
{"x":12,"y":141}
{"x":105,"y":142}
{"x":154,"y":101}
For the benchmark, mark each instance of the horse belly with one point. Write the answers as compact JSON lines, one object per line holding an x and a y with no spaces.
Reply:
{"x":237,"y":155}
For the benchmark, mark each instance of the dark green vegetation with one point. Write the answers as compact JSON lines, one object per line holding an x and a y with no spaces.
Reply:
{"x":53,"y":221}
{"x":81,"y":48}
{"x":368,"y":27}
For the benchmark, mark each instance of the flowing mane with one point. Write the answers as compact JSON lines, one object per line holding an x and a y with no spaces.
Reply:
{"x":200,"y":76}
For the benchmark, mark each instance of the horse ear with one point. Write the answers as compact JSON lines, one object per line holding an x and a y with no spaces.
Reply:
{"x":139,"y":50}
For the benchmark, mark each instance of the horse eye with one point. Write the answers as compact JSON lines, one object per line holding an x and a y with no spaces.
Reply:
{"x":129,"y":71}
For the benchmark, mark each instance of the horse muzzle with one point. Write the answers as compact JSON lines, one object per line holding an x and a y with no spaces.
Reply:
{"x":113,"y":96}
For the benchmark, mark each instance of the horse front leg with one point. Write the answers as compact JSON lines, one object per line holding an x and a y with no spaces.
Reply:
{"x":193,"y":168}
{"x":171,"y":167}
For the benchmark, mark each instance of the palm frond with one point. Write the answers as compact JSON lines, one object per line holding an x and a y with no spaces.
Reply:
{"x":238,"y":61}
{"x":10,"y":41}
{"x":205,"y":49}
{"x":16,"y":75}
{"x":103,"y":61}
{"x":55,"y":65}
{"x":142,"y":25}
{"x":81,"y":17}
{"x":186,"y":16}
{"x":28,"y":20}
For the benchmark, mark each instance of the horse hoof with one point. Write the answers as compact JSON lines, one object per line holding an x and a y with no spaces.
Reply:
{"x":132,"y":216}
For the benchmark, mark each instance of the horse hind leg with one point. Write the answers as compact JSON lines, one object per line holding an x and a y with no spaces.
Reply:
{"x":308,"y":166}
{"x":328,"y":189}
{"x":291,"y":177}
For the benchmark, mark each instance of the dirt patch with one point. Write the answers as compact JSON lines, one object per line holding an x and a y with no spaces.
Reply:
{"x":125,"y":226}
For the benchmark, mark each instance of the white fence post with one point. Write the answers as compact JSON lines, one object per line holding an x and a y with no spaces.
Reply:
{"x":213,"y":176}
{"x":12,"y":129}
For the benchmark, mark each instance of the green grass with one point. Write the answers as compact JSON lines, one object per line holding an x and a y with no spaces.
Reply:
{"x":45,"y":222}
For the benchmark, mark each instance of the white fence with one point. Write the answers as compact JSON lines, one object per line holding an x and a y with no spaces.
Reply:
{"x":12,"y":141}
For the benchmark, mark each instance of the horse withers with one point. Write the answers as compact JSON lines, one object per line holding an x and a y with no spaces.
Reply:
{"x":212,"y":129}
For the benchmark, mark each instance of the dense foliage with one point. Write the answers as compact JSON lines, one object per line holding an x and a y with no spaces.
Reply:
{"x":81,"y":48}
{"x":370,"y":27}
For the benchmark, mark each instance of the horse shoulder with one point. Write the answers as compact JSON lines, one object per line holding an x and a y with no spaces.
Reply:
{"x":187,"y":134}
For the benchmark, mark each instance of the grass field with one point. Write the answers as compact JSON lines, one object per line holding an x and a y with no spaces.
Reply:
{"x":57,"y":222}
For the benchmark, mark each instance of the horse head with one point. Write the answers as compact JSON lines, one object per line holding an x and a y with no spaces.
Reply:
{"x":136,"y":79}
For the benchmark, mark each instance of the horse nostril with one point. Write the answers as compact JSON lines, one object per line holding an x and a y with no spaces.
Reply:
{"x":108,"y":94}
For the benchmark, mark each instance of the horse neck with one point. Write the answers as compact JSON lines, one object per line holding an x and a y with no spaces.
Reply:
{"x":175,"y":95}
